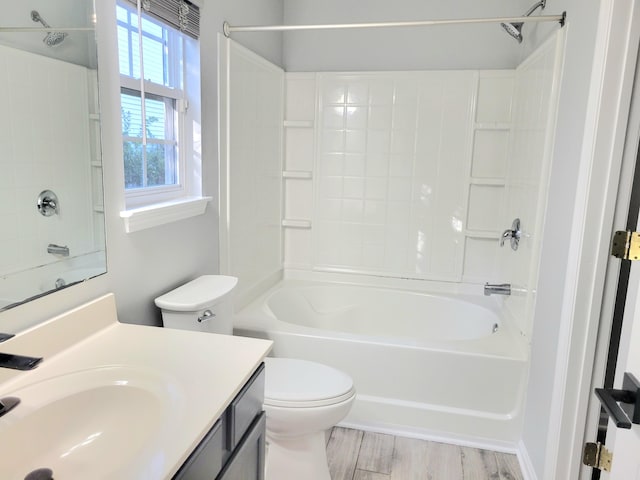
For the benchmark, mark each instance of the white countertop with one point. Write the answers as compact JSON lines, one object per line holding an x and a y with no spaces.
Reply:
{"x":201,"y":373}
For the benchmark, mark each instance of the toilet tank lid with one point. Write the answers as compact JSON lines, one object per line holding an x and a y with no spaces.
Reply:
{"x":197,"y":294}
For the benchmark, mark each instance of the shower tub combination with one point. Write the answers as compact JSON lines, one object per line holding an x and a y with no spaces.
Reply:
{"x":437,"y":366}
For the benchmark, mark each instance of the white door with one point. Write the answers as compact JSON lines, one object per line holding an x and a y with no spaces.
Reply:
{"x":625,"y":443}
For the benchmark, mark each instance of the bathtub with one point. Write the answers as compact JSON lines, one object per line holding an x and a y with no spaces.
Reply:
{"x":433,"y":366}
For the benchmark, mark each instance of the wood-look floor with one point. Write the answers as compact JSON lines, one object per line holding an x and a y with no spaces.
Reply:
{"x":358,"y":455}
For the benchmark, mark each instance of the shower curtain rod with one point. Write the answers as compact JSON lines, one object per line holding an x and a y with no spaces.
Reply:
{"x":229,"y":29}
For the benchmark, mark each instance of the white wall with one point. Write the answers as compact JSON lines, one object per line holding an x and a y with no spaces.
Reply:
{"x":440,"y":47}
{"x":145,"y":264}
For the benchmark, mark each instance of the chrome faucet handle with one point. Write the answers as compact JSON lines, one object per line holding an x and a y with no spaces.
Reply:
{"x":506,"y":234}
{"x":513,"y":234}
{"x":48,"y":203}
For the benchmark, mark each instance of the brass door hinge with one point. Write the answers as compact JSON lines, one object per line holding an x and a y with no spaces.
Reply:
{"x":597,"y":456}
{"x":626,"y":245}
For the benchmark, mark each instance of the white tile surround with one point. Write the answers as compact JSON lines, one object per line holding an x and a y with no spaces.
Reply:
{"x":399,"y":174}
{"x":408,"y":176}
{"x":534,"y":114}
{"x":59,"y":158}
{"x":251,"y":161}
{"x":377,"y":150}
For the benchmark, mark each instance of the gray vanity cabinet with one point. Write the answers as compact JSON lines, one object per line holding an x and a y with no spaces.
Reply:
{"x":234,"y":448}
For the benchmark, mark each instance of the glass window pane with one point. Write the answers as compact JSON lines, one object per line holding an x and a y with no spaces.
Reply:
{"x":133,"y":165}
{"x":154,"y":60}
{"x":157,"y":126}
{"x":160,"y":165}
{"x":135,"y":55}
{"x":131,"y":110}
{"x":151,"y":27}
{"x":121,"y":14}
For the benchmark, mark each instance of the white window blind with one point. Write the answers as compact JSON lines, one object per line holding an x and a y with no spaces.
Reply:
{"x":180,"y":14}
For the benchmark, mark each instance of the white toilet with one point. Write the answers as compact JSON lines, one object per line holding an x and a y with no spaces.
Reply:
{"x":302,"y":399}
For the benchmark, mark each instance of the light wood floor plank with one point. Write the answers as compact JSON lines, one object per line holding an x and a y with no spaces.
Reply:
{"x":410,"y":459}
{"x":445,"y":461}
{"x":376,"y":453}
{"x":357,"y":455}
{"x":342,"y":452}
{"x":479,"y":464}
{"x":366,"y":475}
{"x":508,"y":467}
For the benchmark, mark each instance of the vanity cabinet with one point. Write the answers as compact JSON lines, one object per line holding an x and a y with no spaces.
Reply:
{"x":234,"y":448}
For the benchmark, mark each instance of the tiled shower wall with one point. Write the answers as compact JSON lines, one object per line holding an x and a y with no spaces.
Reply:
{"x":528,"y":172}
{"x":396,"y":173}
{"x":44,"y":144}
{"x":251,"y":164}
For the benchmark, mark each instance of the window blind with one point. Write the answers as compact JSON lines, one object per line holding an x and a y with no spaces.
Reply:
{"x":180,"y":14}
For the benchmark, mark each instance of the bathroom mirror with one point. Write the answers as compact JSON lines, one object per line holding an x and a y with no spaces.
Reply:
{"x":51,"y":202}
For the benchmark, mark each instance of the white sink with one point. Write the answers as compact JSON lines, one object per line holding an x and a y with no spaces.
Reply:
{"x":89,"y":424}
{"x":116,"y":401}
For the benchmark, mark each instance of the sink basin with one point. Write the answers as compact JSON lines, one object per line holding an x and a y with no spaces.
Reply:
{"x":97,"y":423}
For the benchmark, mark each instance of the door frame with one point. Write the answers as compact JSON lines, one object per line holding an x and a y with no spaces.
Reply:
{"x":586,"y":299}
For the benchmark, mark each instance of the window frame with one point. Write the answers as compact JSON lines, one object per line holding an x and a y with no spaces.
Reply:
{"x":176,"y":70}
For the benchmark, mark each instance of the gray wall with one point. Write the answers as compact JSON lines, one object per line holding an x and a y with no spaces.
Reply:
{"x":439,"y":47}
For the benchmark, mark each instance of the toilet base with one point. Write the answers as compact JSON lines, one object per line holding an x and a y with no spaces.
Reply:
{"x":297,"y":457}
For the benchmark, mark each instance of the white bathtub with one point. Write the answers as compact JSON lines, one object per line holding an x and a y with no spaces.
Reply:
{"x":433,"y":366}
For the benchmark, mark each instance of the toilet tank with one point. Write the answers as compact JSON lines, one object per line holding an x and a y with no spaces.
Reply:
{"x":204,"y":304}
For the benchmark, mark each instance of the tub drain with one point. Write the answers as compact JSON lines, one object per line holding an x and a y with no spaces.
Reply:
{"x":495,"y":328}
{"x":40,"y":474}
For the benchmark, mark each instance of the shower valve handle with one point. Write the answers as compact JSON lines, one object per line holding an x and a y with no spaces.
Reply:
{"x":513,"y":234}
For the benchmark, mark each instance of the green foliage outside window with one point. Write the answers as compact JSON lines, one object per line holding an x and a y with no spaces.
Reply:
{"x":134,"y":171}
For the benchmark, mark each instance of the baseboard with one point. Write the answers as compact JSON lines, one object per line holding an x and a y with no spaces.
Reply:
{"x":452,"y":439}
{"x":526,"y":466}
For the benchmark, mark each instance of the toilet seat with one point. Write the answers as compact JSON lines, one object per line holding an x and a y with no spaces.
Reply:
{"x":295,"y":383}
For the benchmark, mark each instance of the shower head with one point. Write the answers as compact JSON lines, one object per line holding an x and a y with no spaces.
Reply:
{"x":51,"y":39}
{"x":54,"y":38}
{"x":515,"y":29}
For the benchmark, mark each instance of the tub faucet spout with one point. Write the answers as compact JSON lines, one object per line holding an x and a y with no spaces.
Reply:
{"x":497,"y":289}
{"x":54,"y":249}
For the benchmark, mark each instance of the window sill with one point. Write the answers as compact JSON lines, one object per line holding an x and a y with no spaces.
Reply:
{"x":150,"y":216}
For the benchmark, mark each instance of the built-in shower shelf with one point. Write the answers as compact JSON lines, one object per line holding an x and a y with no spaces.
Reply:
{"x":488,"y":181}
{"x":98,"y":208}
{"x":298,"y":123}
{"x":292,"y":223}
{"x":96,"y":164}
{"x":299,"y":174}
{"x":482,"y":234}
{"x":94,"y":116}
{"x":492,"y":126}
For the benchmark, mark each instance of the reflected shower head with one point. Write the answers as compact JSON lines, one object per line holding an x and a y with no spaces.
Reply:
{"x":515,"y":29}
{"x":51,"y":39}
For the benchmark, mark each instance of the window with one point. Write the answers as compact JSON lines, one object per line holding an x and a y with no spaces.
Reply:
{"x":157,"y":131}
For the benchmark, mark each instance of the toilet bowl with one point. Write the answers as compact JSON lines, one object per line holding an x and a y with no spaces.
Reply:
{"x":302,"y":399}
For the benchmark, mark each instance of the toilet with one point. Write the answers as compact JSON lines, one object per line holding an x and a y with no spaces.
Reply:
{"x":303,"y":399}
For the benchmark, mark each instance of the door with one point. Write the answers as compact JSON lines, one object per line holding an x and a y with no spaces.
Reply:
{"x":624,"y":443}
